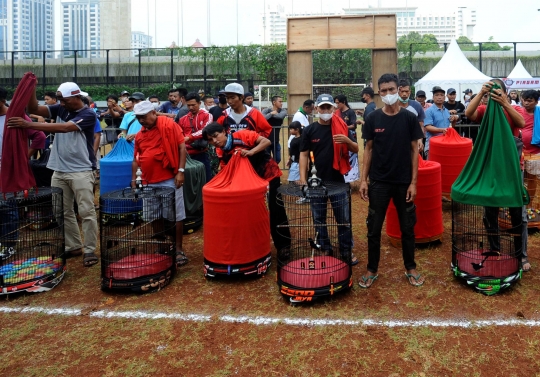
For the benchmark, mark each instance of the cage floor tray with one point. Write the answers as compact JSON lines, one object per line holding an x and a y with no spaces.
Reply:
{"x":327,"y":270}
{"x":136,"y":266}
{"x":486,"y":266}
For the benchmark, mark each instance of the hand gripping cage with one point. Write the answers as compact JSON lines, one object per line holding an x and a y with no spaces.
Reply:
{"x":484,"y":254}
{"x":318,"y":262}
{"x":32,"y":254}
{"x":138,"y":239}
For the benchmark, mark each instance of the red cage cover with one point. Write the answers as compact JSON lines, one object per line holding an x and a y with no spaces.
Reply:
{"x":452,"y":152}
{"x":328,"y":270}
{"x":497,"y":267}
{"x":235,"y":220}
{"x":136,"y":266}
{"x":428,"y":204}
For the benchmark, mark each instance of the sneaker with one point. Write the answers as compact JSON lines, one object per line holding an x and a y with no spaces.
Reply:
{"x":302,"y":201}
{"x":6,"y":252}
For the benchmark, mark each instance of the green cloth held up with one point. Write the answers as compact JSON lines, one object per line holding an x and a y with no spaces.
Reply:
{"x":492,"y":176}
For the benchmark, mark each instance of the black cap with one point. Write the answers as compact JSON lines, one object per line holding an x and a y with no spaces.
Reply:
{"x":248,"y":94}
{"x":138,"y":96}
{"x":437,"y":89}
{"x":124,"y":92}
{"x":467,"y":91}
{"x":420,"y":93}
{"x":220,"y":93}
{"x":450,"y":91}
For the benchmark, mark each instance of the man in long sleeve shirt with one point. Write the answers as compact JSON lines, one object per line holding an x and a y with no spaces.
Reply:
{"x":275,"y":117}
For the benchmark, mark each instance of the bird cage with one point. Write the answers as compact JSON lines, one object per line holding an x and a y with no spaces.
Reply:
{"x":138,"y":239}
{"x":318,"y":262}
{"x":32,"y":252}
{"x":484,"y":254}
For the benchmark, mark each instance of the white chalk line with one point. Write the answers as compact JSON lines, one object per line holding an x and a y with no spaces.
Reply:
{"x":262,"y":321}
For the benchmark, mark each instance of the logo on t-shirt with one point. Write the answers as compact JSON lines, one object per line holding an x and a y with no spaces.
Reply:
{"x":315,"y":140}
{"x":379,"y":129}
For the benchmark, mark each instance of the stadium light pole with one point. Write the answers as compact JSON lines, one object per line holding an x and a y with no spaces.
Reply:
{"x":237,"y":22}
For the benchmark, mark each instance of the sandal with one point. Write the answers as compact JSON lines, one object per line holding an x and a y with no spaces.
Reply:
{"x":90,"y":259}
{"x":181,"y":259}
{"x":415,"y":282}
{"x":525,"y":264}
{"x":354,"y":260}
{"x":363,"y":282}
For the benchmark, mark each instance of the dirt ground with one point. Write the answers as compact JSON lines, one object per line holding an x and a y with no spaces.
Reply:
{"x":40,"y":344}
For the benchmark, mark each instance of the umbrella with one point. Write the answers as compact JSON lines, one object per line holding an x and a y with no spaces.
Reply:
{"x":16,"y":174}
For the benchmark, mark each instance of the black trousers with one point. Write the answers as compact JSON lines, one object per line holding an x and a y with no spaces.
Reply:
{"x":278,"y":216}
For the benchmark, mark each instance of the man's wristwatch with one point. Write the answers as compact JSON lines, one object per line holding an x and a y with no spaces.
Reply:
{"x":181,"y":170}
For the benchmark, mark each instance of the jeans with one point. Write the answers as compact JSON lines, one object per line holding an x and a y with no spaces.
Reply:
{"x":341,"y":209}
{"x":380,"y":194}
{"x":78,"y":186}
{"x":275,"y":151}
{"x":9,"y":222}
{"x":205,"y":159}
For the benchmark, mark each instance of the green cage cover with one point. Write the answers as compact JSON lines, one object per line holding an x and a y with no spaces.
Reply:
{"x":492,"y":175}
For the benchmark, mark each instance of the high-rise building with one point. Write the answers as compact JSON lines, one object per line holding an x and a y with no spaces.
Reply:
{"x":81,"y":28}
{"x":30,"y":27}
{"x":444,"y":25}
{"x":274,"y":23}
{"x":3,"y":30}
{"x":116,"y":27}
{"x":140,"y":40}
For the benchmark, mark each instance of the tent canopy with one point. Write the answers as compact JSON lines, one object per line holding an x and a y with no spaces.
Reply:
{"x":452,"y":71}
{"x":519,"y":72}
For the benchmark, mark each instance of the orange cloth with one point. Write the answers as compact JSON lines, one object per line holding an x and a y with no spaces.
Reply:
{"x":341,"y":152}
{"x":158,"y":150}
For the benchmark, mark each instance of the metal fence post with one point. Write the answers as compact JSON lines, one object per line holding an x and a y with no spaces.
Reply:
{"x":172,"y":66}
{"x":410,"y":61}
{"x":140,"y":70}
{"x":107,"y":68}
{"x":75,"y":77}
{"x":237,"y":64}
{"x":44,"y":78}
{"x":204,"y":71}
{"x":12,"y":69}
{"x":515,"y":55}
{"x":480,"y":58}
{"x":445,"y":46}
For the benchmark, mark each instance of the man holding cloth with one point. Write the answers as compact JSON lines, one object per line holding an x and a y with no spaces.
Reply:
{"x":162,"y":159}
{"x":330,"y":144}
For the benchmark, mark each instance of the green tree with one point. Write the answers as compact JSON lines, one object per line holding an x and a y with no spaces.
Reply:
{"x":492,"y":46}
{"x":465,"y":44}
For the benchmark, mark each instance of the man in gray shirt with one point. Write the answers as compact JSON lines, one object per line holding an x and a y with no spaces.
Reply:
{"x":275,"y":116}
{"x":73,"y":160}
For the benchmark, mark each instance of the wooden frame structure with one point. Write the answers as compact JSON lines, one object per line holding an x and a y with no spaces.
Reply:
{"x":305,"y":34}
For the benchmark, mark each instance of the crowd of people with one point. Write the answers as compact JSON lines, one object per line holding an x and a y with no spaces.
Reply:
{"x":209,"y":129}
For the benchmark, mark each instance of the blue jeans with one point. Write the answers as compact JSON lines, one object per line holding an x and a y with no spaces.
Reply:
{"x":205,"y":159}
{"x":380,"y":194}
{"x":9,"y":222}
{"x":341,"y":209}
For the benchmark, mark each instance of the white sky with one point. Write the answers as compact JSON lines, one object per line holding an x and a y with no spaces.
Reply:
{"x":505,"y":20}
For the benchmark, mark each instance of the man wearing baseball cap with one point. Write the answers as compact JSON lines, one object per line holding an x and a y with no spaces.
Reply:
{"x":130,"y":125}
{"x":452,"y":105}
{"x":73,"y":160}
{"x":438,"y":118}
{"x":421,"y":99}
{"x":240,"y":116}
{"x":328,"y":139}
{"x":161,"y":136}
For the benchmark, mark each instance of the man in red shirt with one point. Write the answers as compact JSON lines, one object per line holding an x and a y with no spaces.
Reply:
{"x":240,"y":116}
{"x":192,"y":125}
{"x":253,"y":146}
{"x":515,"y":116}
{"x":162,"y":158}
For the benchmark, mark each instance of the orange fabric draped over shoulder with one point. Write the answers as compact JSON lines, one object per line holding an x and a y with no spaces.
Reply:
{"x":170,"y":134}
{"x":341,"y":152}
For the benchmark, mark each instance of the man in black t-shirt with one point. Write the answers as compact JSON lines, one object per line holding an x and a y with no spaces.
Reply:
{"x":391,"y":162}
{"x":452,"y":104}
{"x":323,"y":138}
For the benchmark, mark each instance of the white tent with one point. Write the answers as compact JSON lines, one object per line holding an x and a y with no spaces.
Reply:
{"x":519,"y":72}
{"x":452,"y":71}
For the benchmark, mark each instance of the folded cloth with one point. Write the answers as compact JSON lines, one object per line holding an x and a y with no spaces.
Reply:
{"x":170,"y":134}
{"x":341,"y":152}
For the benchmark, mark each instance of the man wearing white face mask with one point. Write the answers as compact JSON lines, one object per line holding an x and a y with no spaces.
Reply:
{"x":329,"y":141}
{"x":391,"y":163}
